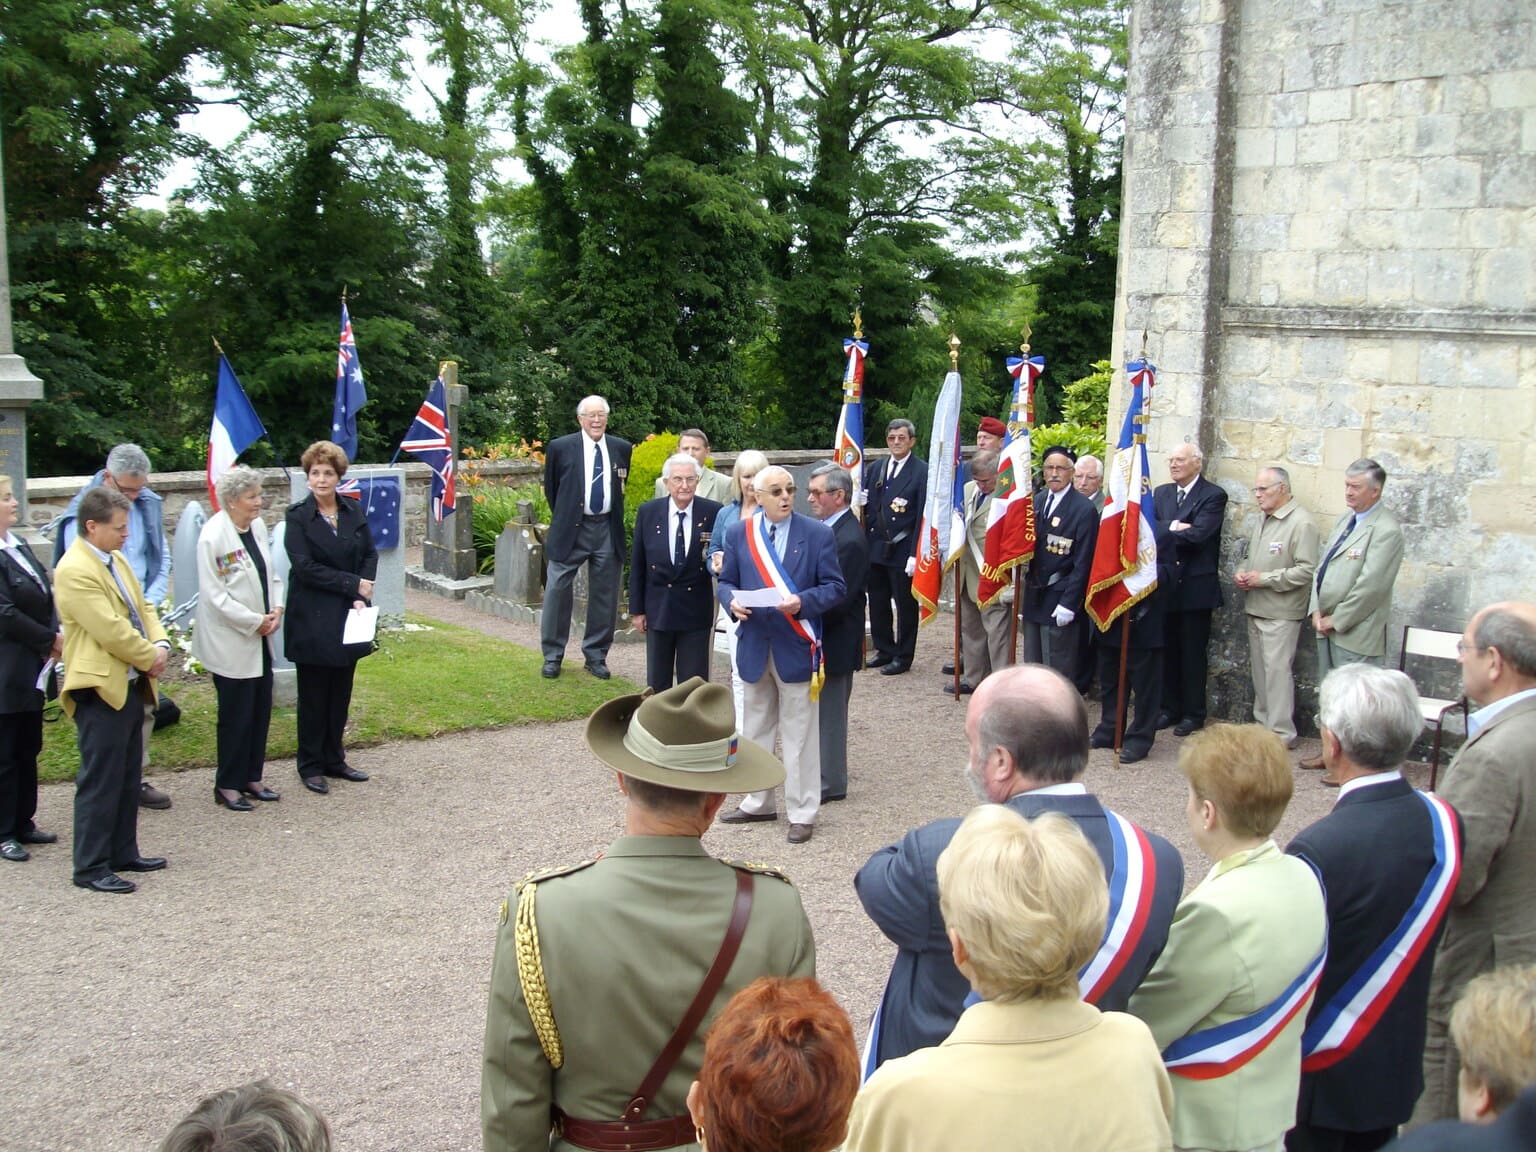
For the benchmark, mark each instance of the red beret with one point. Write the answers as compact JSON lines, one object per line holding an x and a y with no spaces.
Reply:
{"x":992,"y":426}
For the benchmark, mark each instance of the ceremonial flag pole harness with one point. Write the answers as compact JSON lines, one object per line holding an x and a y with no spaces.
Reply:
{"x":765,"y":559}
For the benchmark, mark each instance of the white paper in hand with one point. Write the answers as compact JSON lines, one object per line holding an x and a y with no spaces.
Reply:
{"x":758,"y":597}
{"x":361,"y":625}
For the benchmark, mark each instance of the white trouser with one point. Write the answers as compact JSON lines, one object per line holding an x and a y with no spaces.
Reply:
{"x":783,"y":711}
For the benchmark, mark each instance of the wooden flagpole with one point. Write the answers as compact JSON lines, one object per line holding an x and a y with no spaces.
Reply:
{"x":959,"y":582}
{"x":1122,"y":705}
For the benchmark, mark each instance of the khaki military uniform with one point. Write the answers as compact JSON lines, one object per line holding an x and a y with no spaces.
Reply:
{"x":984,"y":635}
{"x":623,"y":944}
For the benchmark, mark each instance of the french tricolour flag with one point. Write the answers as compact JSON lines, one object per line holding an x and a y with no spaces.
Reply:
{"x":235,"y":427}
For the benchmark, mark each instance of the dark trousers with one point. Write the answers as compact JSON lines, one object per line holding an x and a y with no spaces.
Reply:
{"x":1143,"y":677}
{"x":685,"y":653}
{"x":245,"y":713}
{"x":1186,"y":636}
{"x":832,"y":715}
{"x":325,"y":694}
{"x":594,"y":548}
{"x":1309,"y":1138}
{"x":21,"y":739}
{"x":885,"y":585}
{"x":1057,"y":647}
{"x":111,"y":744}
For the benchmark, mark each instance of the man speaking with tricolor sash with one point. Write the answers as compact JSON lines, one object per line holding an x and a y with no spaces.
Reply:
{"x":779,"y":576}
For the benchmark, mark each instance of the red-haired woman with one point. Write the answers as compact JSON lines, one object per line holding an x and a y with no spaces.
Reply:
{"x":780,"y":1071}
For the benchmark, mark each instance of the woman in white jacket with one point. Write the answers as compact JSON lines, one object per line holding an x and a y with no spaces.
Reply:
{"x":239,"y":607}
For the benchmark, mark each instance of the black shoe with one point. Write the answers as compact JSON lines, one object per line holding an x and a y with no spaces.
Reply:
{"x":879,"y":660}
{"x":142,"y":864}
{"x":1098,"y":741}
{"x":316,"y":784}
{"x":347,"y":772}
{"x":238,"y":804}
{"x":949,"y":689}
{"x":38,"y":836}
{"x":551,"y":670}
{"x":1133,"y":755}
{"x":261,"y":792}
{"x":895,"y":668}
{"x":1185,"y":727}
{"x":1166,"y":720}
{"x":947,"y":669}
{"x":740,"y":817}
{"x":833,"y":797}
{"x":108,"y":883}
{"x":13,"y":851}
{"x":152,"y":797}
{"x":599,"y":669}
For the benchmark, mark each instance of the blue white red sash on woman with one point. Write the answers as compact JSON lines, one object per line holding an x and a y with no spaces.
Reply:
{"x":1214,"y":1052}
{"x":1132,"y":884}
{"x":1342,"y":1023}
{"x":770,"y":570}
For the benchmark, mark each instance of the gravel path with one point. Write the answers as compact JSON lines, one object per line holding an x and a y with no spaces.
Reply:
{"x":342,"y":944}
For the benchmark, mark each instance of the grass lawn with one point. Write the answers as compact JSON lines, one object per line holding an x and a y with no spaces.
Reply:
{"x":447,"y":679}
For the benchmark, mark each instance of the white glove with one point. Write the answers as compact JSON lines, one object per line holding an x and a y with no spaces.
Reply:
{"x":861,"y":498}
{"x":1063,"y":616}
{"x":911,"y":565}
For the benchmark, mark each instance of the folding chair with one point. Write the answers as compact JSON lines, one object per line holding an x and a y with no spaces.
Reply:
{"x":1433,"y":644}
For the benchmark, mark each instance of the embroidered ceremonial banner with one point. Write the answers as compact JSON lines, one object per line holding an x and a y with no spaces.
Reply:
{"x":941,"y":532}
{"x":1011,"y":520}
{"x":848,"y":448}
{"x":1124,"y":569}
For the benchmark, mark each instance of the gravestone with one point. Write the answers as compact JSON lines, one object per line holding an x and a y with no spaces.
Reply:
{"x":184,"y":556}
{"x":285,"y":681}
{"x":449,"y":551}
{"x":520,"y":559}
{"x":18,"y":387}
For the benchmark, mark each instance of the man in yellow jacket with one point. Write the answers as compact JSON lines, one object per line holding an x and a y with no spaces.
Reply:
{"x":114,"y":649}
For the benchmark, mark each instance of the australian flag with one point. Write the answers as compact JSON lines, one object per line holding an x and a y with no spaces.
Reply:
{"x":428,"y":441}
{"x":350,"y":393}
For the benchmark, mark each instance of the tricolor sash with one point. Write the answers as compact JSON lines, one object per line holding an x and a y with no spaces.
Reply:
{"x":770,"y":570}
{"x":1346,"y":1020}
{"x":871,"y":1054}
{"x":1132,"y":883}
{"x":1214,"y":1052}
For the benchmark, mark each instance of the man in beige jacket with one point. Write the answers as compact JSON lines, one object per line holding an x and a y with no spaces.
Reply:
{"x":1492,"y":786}
{"x":984,"y":638}
{"x":1282,"y":558}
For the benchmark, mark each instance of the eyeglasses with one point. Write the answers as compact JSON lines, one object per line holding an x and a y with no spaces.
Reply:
{"x":1462,"y":647}
{"x":685,"y":481}
{"x":786,"y":490}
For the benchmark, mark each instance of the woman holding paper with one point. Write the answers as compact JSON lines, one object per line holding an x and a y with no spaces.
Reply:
{"x":332,"y":565}
{"x":29,"y":637}
{"x":239,"y":607}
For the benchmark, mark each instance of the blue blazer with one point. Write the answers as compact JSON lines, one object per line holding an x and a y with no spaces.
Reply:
{"x":810,"y":559}
{"x":672,"y":598}
{"x":899,"y":888}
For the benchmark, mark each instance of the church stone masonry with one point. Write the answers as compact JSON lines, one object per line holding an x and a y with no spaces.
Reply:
{"x":1329,"y":233}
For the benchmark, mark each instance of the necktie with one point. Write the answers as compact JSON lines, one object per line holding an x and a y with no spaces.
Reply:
{"x":980,"y":496}
{"x":679,"y":544}
{"x":1050,"y":505}
{"x":1179,"y":503}
{"x":595,"y":500}
{"x":773,"y":536}
{"x":133,"y":613}
{"x":895,"y":472}
{"x":1332,"y":552}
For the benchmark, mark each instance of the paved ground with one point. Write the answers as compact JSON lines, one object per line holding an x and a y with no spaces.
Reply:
{"x":342,"y":944}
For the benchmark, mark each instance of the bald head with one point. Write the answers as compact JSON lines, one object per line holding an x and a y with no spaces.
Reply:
{"x":1027,"y":727}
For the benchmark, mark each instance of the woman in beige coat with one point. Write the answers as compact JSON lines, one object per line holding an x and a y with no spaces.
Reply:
{"x":1032,"y":1067}
{"x":239,"y":607}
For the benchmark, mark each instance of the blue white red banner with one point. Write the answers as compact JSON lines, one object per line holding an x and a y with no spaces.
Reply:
{"x":941,"y":532}
{"x":235,"y":427}
{"x":848,"y":449}
{"x":1124,"y":569}
{"x":1011,"y":520}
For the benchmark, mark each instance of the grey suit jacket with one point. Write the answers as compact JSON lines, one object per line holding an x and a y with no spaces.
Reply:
{"x":1357,"y":587}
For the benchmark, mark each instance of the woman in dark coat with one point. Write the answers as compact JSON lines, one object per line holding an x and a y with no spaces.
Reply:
{"x":332,"y":563}
{"x":29,"y":636}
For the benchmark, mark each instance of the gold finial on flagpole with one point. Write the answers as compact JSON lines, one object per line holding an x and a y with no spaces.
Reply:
{"x":858,"y":323}
{"x":1026,"y":332}
{"x":954,"y":352}
{"x":216,"y":347}
{"x":1143,"y":343}
{"x":343,"y":293}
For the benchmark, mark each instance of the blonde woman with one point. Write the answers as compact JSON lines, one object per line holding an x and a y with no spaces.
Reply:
{"x":239,"y":607}
{"x":1031,"y":1067}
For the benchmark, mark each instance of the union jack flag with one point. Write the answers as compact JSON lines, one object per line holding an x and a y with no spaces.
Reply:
{"x":428,"y":441}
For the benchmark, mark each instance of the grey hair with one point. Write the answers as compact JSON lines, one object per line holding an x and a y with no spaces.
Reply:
{"x":1090,"y":458}
{"x":1280,"y":474}
{"x":1045,"y":731}
{"x":984,"y":463}
{"x":680,"y":458}
{"x":836,"y":479}
{"x":1511,"y":634}
{"x":760,"y":481}
{"x":255,"y":1117}
{"x":128,"y":460}
{"x":585,"y":400}
{"x":1365,"y":466}
{"x":236,"y":482}
{"x":901,"y":422}
{"x":1372,"y":712}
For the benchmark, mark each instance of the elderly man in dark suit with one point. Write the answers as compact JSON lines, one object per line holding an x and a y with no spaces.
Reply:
{"x":1193,"y":508}
{"x":1143,"y":664}
{"x":792,"y":560}
{"x":1387,"y":857}
{"x":1028,"y":733}
{"x":831,"y":493}
{"x":1492,"y":786}
{"x":584,"y":483}
{"x":893,"y":504}
{"x":671,"y":596}
{"x":1056,"y":582}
